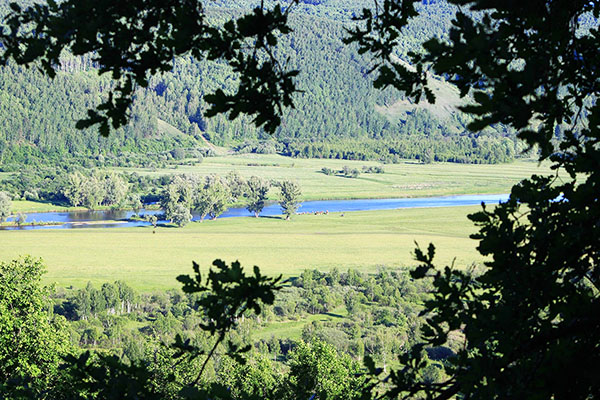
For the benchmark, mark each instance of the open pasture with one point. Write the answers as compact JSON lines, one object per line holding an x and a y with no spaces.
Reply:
{"x":408,"y":179}
{"x":363,"y":240}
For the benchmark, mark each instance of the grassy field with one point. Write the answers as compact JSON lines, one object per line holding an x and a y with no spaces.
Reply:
{"x":362,"y":240}
{"x":408,"y":179}
{"x":293,"y":329}
{"x":26,"y":206}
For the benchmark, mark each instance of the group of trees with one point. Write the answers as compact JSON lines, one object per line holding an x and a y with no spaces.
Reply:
{"x":471,"y":149}
{"x":98,"y":189}
{"x":381,"y":320}
{"x":349,"y":172}
{"x":211,"y":196}
{"x":178,"y":195}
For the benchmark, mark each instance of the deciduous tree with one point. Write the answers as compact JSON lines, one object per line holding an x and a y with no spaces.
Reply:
{"x":257,"y":192}
{"x":32,"y":339}
{"x":289,"y":198}
{"x":318,"y":371}
{"x":5,"y":206}
{"x":531,"y":319}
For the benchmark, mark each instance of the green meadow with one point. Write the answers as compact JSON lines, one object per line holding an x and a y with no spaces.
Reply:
{"x":26,"y":206}
{"x":407,"y":179}
{"x":363,"y":240}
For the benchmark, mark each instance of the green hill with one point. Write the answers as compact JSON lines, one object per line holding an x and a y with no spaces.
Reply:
{"x":338,"y":115}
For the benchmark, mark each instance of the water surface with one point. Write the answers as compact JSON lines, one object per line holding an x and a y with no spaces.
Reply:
{"x":119,"y":219}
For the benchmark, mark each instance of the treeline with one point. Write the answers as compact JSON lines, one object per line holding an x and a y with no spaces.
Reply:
{"x":178,"y":196}
{"x":461,"y":149}
{"x":470,"y":148}
{"x":212,"y":195}
{"x":336,"y":113}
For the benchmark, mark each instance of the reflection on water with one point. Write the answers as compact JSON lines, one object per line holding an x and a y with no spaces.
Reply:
{"x":119,"y":218}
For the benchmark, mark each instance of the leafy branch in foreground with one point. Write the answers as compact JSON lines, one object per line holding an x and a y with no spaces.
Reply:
{"x":229,"y":293}
{"x":135,"y":39}
{"x":531,"y":319}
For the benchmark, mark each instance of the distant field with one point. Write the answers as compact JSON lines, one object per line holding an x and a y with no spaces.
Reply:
{"x":362,"y":240}
{"x":409,"y":179}
{"x":34,"y":206}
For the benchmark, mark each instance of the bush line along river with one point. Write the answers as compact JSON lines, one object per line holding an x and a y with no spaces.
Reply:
{"x":121,"y":218}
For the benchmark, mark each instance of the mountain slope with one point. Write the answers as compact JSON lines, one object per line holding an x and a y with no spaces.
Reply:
{"x":338,"y":105}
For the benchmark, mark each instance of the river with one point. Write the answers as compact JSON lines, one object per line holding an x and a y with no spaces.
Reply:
{"x":119,"y":219}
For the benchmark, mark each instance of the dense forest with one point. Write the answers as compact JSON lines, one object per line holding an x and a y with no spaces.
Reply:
{"x":338,"y":115}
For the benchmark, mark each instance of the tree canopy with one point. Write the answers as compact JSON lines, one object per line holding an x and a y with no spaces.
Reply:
{"x":32,"y":339}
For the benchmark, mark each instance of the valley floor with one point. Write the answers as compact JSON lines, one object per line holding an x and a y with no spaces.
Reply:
{"x":147,"y":261}
{"x":362,"y":240}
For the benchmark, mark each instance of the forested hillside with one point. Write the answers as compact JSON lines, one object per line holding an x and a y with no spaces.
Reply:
{"x":338,"y":115}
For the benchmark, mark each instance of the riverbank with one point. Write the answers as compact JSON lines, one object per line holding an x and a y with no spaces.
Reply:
{"x":365,"y":240}
{"x":408,"y":179}
{"x":15,"y":225}
{"x":124,"y":218}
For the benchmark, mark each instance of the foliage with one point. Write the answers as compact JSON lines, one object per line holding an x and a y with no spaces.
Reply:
{"x":107,"y":319}
{"x":253,"y":380}
{"x":384,"y":319}
{"x":181,"y":215}
{"x":5,"y":206}
{"x":530,"y":319}
{"x":33,"y":343}
{"x":169,"y":113}
{"x":258,"y":191}
{"x":32,"y":339}
{"x":229,"y":294}
{"x":40,"y":32}
{"x":318,"y":371}
{"x":107,"y":189}
{"x":289,"y":199}
{"x":218,"y":196}
{"x":349,"y":172}
{"x":327,"y":171}
{"x":177,"y":198}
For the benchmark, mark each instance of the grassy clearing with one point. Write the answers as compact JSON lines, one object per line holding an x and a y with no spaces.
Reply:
{"x":362,"y":240}
{"x":292,"y":329}
{"x":409,"y":179}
